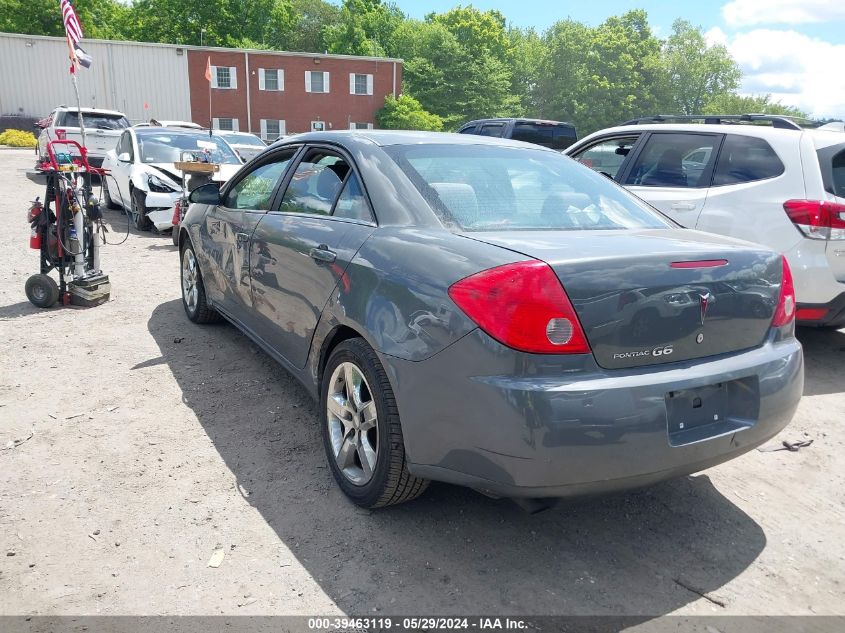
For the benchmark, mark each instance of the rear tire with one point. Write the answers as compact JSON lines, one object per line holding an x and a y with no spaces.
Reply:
{"x":42,"y":290}
{"x":356,"y":386}
{"x":139,"y":211}
{"x":174,"y":236}
{"x":193,"y":291}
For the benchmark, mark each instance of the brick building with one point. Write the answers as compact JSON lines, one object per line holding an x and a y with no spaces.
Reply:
{"x":265,"y":92}
{"x":273,"y":93}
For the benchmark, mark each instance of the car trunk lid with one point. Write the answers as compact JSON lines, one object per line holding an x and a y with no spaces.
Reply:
{"x":646,"y":297}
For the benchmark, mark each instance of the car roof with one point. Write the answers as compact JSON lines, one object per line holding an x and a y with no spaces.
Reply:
{"x":161,"y":129}
{"x":91,"y":111}
{"x":384,"y":138}
{"x":764,"y":131}
{"x":517,"y":120}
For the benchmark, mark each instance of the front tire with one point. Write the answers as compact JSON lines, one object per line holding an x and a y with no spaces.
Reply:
{"x":193,"y":291}
{"x":362,"y":435}
{"x":42,"y":290}
{"x":139,"y":211}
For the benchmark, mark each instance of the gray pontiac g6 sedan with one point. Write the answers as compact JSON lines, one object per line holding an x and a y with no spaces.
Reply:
{"x":492,"y":314}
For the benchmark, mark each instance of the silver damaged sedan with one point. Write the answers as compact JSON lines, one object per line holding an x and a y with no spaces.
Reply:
{"x":492,"y":314}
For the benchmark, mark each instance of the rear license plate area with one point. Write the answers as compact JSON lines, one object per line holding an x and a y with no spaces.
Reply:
{"x":702,"y":413}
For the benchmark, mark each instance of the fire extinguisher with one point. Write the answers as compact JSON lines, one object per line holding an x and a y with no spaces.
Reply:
{"x":34,"y":219}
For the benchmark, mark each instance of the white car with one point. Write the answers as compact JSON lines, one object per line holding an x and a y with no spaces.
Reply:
{"x":143,"y":178}
{"x":102,"y":129}
{"x":247,"y":145}
{"x":760,"y":178}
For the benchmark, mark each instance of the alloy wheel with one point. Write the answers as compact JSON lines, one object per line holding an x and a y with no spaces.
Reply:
{"x":352,"y":423}
{"x":190,"y":291}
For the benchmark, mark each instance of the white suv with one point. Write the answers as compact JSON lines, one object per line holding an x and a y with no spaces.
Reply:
{"x":759,"y":178}
{"x":102,"y":130}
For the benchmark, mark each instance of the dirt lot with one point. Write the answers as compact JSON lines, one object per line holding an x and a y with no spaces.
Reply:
{"x":155,"y":442}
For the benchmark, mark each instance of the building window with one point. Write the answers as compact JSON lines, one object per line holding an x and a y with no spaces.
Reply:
{"x":360,"y":84}
{"x":360,"y":126}
{"x":318,"y":126}
{"x":224,"y":77}
{"x":272,"y":129}
{"x":272,"y":79}
{"x":225,"y":124}
{"x":316,"y":81}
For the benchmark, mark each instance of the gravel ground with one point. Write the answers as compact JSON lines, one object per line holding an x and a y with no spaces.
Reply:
{"x":152,"y":443}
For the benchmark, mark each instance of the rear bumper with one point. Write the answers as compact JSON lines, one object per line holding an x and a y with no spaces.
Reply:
{"x":522,"y":425}
{"x":830,"y":314}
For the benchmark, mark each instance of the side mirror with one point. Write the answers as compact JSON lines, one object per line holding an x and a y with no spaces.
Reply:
{"x":206,"y":194}
{"x":123,"y":157}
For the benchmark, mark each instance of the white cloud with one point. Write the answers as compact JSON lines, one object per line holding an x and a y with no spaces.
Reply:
{"x":752,"y":12}
{"x":796,"y":69}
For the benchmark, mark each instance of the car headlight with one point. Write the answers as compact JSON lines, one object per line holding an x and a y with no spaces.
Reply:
{"x":157,"y":184}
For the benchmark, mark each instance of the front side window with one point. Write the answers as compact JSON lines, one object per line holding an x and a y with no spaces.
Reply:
{"x":124,"y":146}
{"x":255,"y":190}
{"x":489,"y":188}
{"x":315,"y":184}
{"x":745,"y":159}
{"x":606,"y":157}
{"x":667,"y":160}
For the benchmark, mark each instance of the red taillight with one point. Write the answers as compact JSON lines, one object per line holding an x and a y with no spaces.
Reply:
{"x":177,"y":213}
{"x":785,"y":312}
{"x":817,"y":219}
{"x":61,"y":134}
{"x":524,"y":306}
{"x":811,"y":314}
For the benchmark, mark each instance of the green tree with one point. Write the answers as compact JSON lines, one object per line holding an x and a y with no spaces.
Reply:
{"x":100,"y":19}
{"x":364,"y":27}
{"x":406,"y":113}
{"x":311,"y":18}
{"x":597,"y":77}
{"x":696,"y":72}
{"x":527,"y":53}
{"x":751,"y":104}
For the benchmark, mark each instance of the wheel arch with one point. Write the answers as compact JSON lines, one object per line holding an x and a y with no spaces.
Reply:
{"x":335,"y":337}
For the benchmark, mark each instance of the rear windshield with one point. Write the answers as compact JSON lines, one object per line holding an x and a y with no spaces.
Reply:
{"x":556,"y":136}
{"x":169,"y":148}
{"x":93,"y":121}
{"x":489,"y":188}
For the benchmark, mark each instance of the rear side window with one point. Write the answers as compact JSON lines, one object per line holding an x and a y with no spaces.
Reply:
{"x":468,"y":130}
{"x":746,"y":159}
{"x":675,"y":160}
{"x":835,"y":179}
{"x":554,"y":135}
{"x":93,"y":121}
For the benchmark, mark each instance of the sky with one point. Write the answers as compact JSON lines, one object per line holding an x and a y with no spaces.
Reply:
{"x":791,"y":49}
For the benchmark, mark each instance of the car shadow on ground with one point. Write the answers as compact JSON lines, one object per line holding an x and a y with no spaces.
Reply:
{"x":824,"y":359}
{"x":452,"y":551}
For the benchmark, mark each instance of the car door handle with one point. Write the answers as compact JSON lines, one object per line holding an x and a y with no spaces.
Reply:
{"x":683,"y":206}
{"x":322,"y":254}
{"x":242,"y":237}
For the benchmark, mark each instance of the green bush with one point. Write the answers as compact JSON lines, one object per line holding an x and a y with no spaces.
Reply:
{"x":18,"y":138}
{"x":406,"y":113}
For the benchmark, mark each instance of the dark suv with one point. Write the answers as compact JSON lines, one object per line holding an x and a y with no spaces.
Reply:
{"x":553,"y":134}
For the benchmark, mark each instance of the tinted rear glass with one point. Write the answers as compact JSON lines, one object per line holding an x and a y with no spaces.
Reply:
{"x":489,"y":188}
{"x":838,"y":179}
{"x":745,"y":159}
{"x":556,"y":136}
{"x":93,"y":121}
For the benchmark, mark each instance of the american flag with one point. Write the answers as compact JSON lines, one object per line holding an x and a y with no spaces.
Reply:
{"x":72,"y":26}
